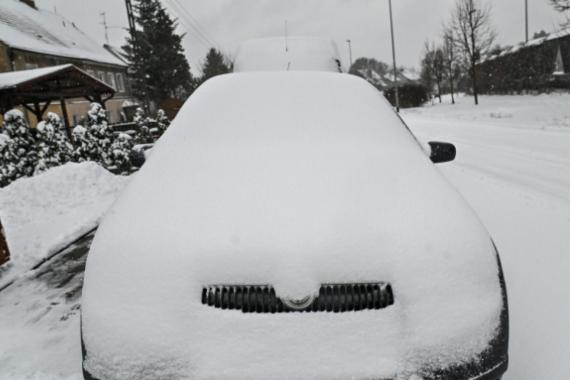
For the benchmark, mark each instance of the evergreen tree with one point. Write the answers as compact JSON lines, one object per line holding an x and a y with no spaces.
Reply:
{"x":53,"y":147}
{"x":18,"y":151}
{"x":82,"y":144}
{"x":121,"y":154}
{"x":143,"y":135}
{"x":99,"y":136}
{"x":214,"y":64}
{"x":157,"y":61}
{"x":163,"y":122}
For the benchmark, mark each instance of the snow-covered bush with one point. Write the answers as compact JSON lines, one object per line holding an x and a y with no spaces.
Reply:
{"x":163,"y":122}
{"x":98,"y":143}
{"x":143,"y":134}
{"x":54,"y":148}
{"x":121,"y":154}
{"x":18,"y":149}
{"x":99,"y":136}
{"x":82,"y":144}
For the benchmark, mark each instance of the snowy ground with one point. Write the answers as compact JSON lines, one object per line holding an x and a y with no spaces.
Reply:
{"x":513,"y":167}
{"x":43,"y":214}
{"x":39,"y":307}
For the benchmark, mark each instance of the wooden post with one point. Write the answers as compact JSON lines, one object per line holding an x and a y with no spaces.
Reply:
{"x":65,"y":117}
{"x":4,"y":251}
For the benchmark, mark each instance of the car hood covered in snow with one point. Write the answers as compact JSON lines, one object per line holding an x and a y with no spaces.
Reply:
{"x":290,"y":179}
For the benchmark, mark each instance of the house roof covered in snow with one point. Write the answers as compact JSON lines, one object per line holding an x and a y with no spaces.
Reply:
{"x":50,"y":83}
{"x":13,"y":79}
{"x":37,"y":30}
{"x":534,"y":42}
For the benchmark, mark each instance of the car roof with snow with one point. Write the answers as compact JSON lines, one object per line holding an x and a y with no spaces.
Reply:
{"x":288,"y":54}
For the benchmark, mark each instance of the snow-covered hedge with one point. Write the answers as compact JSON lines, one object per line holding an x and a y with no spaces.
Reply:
{"x":25,"y":152}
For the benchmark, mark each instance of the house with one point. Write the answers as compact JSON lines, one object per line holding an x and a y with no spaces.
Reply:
{"x":32,"y":38}
{"x":541,"y":64}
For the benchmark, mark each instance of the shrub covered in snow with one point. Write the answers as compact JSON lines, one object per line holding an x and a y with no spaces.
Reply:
{"x":100,"y":136}
{"x":121,"y":154}
{"x":54,"y":149}
{"x":97,"y":143}
{"x":163,"y":122}
{"x":18,"y":148}
{"x":143,"y":135}
{"x":82,"y":144}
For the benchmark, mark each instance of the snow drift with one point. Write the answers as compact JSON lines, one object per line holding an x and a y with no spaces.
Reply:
{"x":44,"y":213}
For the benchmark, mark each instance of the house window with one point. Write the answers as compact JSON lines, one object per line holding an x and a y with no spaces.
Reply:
{"x":120,"y":82}
{"x":111,"y":80}
{"x":101,"y":76}
{"x":559,"y":63}
{"x":92,"y":73}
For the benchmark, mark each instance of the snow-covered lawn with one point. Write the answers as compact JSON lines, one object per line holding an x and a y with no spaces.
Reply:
{"x":513,"y":167}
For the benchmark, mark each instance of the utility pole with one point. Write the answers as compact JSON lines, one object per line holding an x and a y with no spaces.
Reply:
{"x":396,"y":90}
{"x":131,"y":17}
{"x":349,"y":42}
{"x":286,"y":36}
{"x":104,"y":23}
{"x":526,"y":18}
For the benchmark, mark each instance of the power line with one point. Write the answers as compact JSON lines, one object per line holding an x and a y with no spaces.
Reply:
{"x":188,"y":22}
{"x":197,"y":24}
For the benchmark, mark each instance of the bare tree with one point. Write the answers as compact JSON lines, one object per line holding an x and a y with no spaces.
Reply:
{"x":450,"y":59}
{"x":561,"y":5}
{"x":433,"y":67}
{"x":473,"y":34}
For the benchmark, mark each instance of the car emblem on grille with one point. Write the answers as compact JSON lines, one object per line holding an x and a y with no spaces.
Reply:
{"x":299,"y":304}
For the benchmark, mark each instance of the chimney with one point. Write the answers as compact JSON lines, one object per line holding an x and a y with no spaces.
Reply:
{"x":31,"y":3}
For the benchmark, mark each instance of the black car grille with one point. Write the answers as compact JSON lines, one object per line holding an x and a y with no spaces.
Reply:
{"x":336,"y":298}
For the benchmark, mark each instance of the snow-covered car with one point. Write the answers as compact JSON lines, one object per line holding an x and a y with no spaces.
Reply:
{"x":289,"y":226}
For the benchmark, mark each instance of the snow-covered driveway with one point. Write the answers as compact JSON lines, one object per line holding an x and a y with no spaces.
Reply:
{"x":513,"y":167}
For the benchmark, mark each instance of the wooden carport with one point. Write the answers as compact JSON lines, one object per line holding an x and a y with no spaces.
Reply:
{"x":36,"y":89}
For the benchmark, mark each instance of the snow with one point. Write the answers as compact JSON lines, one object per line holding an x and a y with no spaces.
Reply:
{"x":42,"y":214}
{"x":287,"y":54}
{"x":515,"y":172}
{"x":304,"y":179}
{"x":534,"y":42}
{"x":14,"y":78}
{"x":39,"y":30}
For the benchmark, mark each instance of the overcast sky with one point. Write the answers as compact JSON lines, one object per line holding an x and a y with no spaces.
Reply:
{"x":365,"y":22}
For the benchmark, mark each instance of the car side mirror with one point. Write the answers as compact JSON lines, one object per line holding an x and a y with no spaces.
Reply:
{"x":442,"y":152}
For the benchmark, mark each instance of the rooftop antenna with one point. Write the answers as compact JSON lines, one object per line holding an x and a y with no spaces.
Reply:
{"x":286,"y":37}
{"x":104,"y":23}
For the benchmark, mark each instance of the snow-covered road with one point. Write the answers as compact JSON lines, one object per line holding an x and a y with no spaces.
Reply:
{"x":513,"y":167}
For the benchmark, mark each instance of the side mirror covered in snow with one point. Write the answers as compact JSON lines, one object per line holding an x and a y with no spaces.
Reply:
{"x":442,"y":152}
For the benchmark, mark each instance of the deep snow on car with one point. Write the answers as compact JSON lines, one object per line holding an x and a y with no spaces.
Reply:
{"x":289,"y":226}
